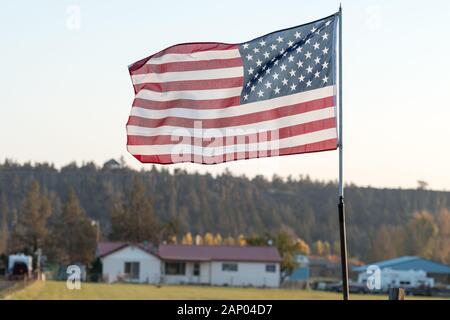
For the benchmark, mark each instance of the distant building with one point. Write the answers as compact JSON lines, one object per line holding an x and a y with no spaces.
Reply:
{"x":111,"y":165}
{"x":438,"y":271}
{"x":188,"y":264}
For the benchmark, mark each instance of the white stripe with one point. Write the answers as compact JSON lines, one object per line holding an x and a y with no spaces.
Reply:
{"x":289,"y":142}
{"x":189,"y":75}
{"x":258,"y":126}
{"x":196,"y":56}
{"x":236,"y":110}
{"x":190,"y":94}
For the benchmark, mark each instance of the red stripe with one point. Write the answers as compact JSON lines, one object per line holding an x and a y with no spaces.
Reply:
{"x":196,"y":47}
{"x":188,"y":104}
{"x":183,"y":48}
{"x":237,"y":120}
{"x":191,"y":85}
{"x":325,"y":145}
{"x":190,"y":66}
{"x":282,"y":134}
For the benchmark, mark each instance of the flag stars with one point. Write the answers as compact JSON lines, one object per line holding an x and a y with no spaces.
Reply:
{"x":327,"y":23}
{"x":278,"y":65}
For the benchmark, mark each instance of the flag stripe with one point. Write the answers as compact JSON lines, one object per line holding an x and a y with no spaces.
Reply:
{"x":195,"y":56}
{"x":289,"y":142}
{"x":209,"y":74}
{"x":239,"y":119}
{"x":191,"y":85}
{"x":196,"y":47}
{"x":282,"y":133}
{"x":314,"y":97}
{"x":187,"y":103}
{"x":273,"y":124}
{"x":325,"y":145}
{"x":190,"y":94}
{"x":189,"y":66}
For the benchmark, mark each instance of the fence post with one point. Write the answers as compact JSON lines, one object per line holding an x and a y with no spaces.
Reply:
{"x":396,"y":294}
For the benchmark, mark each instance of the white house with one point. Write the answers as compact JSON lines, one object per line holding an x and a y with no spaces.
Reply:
{"x":185,"y":264}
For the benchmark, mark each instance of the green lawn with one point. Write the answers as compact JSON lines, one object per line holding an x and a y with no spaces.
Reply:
{"x":57,"y":290}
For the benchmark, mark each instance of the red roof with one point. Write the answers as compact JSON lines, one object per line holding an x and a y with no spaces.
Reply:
{"x":218,"y":253}
{"x":106,"y":248}
{"x":198,"y":253}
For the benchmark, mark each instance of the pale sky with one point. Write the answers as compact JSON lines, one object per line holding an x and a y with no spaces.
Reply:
{"x":66,"y":94}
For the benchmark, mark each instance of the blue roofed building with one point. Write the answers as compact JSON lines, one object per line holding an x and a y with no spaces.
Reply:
{"x":440,"y":272}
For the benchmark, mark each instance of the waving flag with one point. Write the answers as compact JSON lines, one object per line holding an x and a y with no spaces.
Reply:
{"x":215,"y":102}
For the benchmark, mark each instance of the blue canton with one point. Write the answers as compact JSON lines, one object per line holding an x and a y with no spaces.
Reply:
{"x":289,"y":61}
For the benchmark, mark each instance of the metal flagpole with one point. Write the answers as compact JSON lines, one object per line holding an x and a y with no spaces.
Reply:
{"x":341,"y":208}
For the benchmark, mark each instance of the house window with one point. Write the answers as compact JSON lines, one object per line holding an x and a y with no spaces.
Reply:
{"x":271,"y":268}
{"x":132,"y":270}
{"x":196,"y":271}
{"x":175,"y":268}
{"x":230,"y":267}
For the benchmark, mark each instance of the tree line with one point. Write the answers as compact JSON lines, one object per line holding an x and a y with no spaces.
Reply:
{"x":67,"y":210}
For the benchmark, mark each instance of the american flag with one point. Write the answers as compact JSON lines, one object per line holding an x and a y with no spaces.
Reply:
{"x":215,"y":102}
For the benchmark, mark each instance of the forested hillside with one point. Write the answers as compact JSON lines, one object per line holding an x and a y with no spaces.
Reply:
{"x":381,"y":222}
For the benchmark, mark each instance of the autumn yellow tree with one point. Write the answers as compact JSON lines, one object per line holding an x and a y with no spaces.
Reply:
{"x":326,"y":248}
{"x":198,"y":240}
{"x":208,"y":239}
{"x":187,"y":239}
{"x":241,"y":240}
{"x":303,"y":247}
{"x":318,"y":247}
{"x":217,"y":239}
{"x":229,"y":241}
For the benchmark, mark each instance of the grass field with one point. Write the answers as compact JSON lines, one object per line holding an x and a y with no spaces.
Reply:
{"x":91,"y":291}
